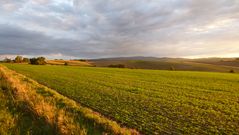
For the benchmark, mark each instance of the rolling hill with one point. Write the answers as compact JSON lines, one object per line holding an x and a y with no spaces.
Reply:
{"x":207,"y":64}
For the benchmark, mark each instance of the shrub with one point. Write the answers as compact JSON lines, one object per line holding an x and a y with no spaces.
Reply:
{"x":38,"y":61}
{"x":232,"y":71}
{"x":117,"y":66}
{"x":18,"y":59}
{"x":83,"y":60}
{"x":7,"y":60}
{"x":66,"y":64}
{"x":25,"y":60}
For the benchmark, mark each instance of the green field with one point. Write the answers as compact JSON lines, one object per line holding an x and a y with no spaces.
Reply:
{"x":152,"y":101}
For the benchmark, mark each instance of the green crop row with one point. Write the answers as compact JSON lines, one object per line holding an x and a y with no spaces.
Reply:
{"x":153,"y":102}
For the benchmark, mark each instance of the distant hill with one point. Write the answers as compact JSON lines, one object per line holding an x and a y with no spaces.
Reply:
{"x":142,"y":58}
{"x":203,"y":64}
{"x":219,"y":61}
{"x":127,"y":58}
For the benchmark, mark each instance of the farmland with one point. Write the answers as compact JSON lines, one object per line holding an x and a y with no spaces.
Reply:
{"x":153,"y":102}
{"x":28,"y":107}
{"x":179,"y":64}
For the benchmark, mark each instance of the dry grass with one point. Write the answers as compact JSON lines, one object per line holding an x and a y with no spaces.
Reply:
{"x":69,"y":62}
{"x":34,"y":101}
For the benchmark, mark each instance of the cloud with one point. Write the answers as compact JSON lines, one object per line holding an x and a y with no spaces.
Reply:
{"x":110,"y":28}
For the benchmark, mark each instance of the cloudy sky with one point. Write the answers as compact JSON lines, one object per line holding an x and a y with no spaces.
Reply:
{"x":111,"y":28}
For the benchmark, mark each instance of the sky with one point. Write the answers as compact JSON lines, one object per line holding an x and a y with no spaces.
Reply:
{"x":119,"y":28}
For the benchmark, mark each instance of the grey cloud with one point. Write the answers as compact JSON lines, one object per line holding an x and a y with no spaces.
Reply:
{"x":105,"y":28}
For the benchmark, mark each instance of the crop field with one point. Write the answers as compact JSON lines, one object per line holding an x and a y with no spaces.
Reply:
{"x":151,"y":101}
{"x":179,"y":65}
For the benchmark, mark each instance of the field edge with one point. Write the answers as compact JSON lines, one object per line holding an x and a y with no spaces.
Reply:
{"x":66,"y":114}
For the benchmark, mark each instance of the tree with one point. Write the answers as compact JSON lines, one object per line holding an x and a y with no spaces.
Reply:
{"x":25,"y":60}
{"x":117,"y":66}
{"x":41,"y":60}
{"x":38,"y":61}
{"x":7,"y":60}
{"x":18,"y":59}
{"x":83,"y":60}
{"x":66,"y":64}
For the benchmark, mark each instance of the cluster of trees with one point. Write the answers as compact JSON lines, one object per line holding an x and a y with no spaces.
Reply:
{"x":38,"y":61}
{"x":83,"y":60}
{"x":7,"y":60}
{"x":20,"y":59}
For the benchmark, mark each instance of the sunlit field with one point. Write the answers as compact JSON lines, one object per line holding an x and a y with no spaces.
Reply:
{"x":151,"y":101}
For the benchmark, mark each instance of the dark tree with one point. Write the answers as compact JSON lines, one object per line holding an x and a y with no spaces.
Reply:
{"x":232,"y":71}
{"x":38,"y":61}
{"x":117,"y":66}
{"x":83,"y":60}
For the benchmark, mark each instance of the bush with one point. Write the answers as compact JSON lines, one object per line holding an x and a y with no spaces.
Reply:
{"x":83,"y":60}
{"x":25,"y":60}
{"x":38,"y":61}
{"x":117,"y":66}
{"x":18,"y":59}
{"x":231,"y":71}
{"x":7,"y":60}
{"x":66,"y":64}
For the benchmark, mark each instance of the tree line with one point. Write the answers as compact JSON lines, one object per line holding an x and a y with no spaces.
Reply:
{"x":33,"y":61}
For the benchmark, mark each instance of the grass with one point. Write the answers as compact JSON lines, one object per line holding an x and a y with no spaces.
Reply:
{"x":153,"y":102}
{"x":63,"y":115}
{"x":15,"y":118}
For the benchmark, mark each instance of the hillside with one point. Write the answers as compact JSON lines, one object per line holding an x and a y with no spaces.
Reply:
{"x":207,"y":64}
{"x":217,"y":61}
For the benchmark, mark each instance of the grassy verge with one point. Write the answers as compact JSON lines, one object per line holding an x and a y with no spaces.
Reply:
{"x":64,"y":116}
{"x":15,"y":117}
